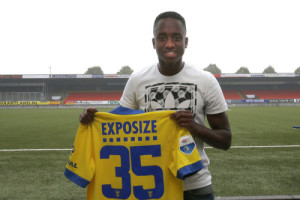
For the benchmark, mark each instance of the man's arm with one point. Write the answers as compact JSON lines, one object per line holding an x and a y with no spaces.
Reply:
{"x":219,"y":136}
{"x":87,"y":116}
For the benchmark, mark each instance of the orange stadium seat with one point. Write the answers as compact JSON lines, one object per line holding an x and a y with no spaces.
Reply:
{"x":94,"y":96}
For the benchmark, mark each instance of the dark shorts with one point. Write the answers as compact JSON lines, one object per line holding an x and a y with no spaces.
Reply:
{"x":205,"y":193}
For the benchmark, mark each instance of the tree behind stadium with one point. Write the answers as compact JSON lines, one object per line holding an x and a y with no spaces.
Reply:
{"x":212,"y":68}
{"x":243,"y":70}
{"x":269,"y":70}
{"x":125,"y":70}
{"x":94,"y":70}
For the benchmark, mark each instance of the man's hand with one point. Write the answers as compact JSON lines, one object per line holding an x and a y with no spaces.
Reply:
{"x":218,"y":136}
{"x":87,"y":116}
{"x":184,"y":118}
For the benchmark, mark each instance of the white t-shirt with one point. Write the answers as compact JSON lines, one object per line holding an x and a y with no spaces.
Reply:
{"x":191,"y":88}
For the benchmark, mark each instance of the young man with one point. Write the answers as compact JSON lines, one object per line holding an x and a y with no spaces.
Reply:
{"x":172,"y":84}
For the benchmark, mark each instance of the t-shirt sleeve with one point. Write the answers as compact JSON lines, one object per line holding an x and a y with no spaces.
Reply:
{"x":128,"y":98}
{"x":186,"y":157}
{"x":214,"y":99}
{"x":80,"y":168}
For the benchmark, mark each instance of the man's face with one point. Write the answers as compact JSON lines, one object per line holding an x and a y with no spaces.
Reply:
{"x":169,"y":40}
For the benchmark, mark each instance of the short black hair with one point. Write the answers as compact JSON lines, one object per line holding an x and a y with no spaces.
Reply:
{"x":170,"y":14}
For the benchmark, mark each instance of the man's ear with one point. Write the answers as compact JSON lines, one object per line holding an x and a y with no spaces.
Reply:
{"x":186,"y":42}
{"x":153,"y":43}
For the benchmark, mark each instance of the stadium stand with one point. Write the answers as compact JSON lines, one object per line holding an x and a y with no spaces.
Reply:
{"x":232,"y":94}
{"x":273,"y":94}
{"x":21,"y":96}
{"x":241,"y":89}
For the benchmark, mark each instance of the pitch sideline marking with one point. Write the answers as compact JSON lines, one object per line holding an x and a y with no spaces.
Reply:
{"x":249,"y":147}
{"x":35,"y":149}
{"x":233,"y":147}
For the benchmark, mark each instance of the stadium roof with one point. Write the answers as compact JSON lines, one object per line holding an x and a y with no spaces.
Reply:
{"x":62,"y":76}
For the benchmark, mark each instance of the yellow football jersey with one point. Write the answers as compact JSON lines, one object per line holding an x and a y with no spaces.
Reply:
{"x":137,"y":156}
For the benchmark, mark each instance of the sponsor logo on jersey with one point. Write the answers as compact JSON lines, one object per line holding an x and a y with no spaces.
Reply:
{"x":115,"y":128}
{"x":187,"y":144}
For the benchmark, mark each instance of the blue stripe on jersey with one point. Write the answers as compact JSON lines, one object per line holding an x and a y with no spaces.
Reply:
{"x":76,"y":179}
{"x":188,"y":170}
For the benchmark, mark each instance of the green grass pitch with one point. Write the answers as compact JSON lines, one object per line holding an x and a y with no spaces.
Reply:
{"x":236,"y":172}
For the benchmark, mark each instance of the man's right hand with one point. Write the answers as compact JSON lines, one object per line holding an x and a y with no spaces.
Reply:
{"x":87,"y":116}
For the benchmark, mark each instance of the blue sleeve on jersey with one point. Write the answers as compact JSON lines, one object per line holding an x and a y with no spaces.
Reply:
{"x":76,"y":179}
{"x":188,"y":170}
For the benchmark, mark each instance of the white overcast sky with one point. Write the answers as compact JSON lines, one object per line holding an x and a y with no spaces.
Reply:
{"x":71,"y":35}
